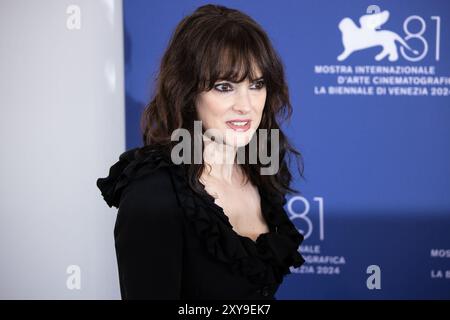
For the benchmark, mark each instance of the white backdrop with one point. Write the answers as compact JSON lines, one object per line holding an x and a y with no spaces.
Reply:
{"x":62,"y":125}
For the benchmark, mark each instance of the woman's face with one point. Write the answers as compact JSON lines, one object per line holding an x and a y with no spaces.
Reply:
{"x":232,"y":110}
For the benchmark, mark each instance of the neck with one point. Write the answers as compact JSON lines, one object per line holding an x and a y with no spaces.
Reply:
{"x":220,"y":159}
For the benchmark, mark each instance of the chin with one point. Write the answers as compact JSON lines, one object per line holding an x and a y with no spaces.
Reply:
{"x":238,"y":139}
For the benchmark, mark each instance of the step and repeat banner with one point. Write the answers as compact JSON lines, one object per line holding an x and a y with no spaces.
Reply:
{"x":370,"y":86}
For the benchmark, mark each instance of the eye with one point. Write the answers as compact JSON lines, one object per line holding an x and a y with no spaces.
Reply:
{"x":259,"y":84}
{"x":223,"y":87}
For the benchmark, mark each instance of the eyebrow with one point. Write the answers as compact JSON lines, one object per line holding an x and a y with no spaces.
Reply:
{"x":260,"y":78}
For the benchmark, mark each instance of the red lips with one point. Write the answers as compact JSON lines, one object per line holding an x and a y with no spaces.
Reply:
{"x":237,"y":127}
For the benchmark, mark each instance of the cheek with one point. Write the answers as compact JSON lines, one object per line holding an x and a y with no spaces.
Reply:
{"x":260,"y":104}
{"x":210,"y":110}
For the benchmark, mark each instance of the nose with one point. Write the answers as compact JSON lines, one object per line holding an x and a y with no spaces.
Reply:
{"x":243,"y":102}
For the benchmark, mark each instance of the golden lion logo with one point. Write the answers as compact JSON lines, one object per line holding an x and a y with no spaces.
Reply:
{"x":356,"y":38}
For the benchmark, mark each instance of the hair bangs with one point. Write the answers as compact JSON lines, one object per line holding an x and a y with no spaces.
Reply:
{"x":234,"y":57}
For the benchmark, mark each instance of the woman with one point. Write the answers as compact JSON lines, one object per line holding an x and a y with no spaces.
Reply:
{"x":208,"y":229}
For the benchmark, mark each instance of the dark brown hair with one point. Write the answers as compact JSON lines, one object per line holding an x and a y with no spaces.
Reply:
{"x":216,"y":42}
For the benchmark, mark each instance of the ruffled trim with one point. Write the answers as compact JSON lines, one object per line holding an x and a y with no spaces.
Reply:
{"x":132,"y":164}
{"x":264,"y":262}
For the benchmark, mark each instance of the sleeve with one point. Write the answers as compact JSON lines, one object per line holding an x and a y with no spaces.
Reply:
{"x":148,"y":239}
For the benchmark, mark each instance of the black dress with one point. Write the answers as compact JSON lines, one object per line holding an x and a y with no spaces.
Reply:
{"x":172,"y":243}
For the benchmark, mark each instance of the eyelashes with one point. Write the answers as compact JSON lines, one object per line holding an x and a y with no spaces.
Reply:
{"x":227,"y":87}
{"x":223,"y":87}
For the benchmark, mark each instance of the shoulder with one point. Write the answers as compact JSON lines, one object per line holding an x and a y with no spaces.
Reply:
{"x":150,"y":191}
{"x":141,"y":174}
